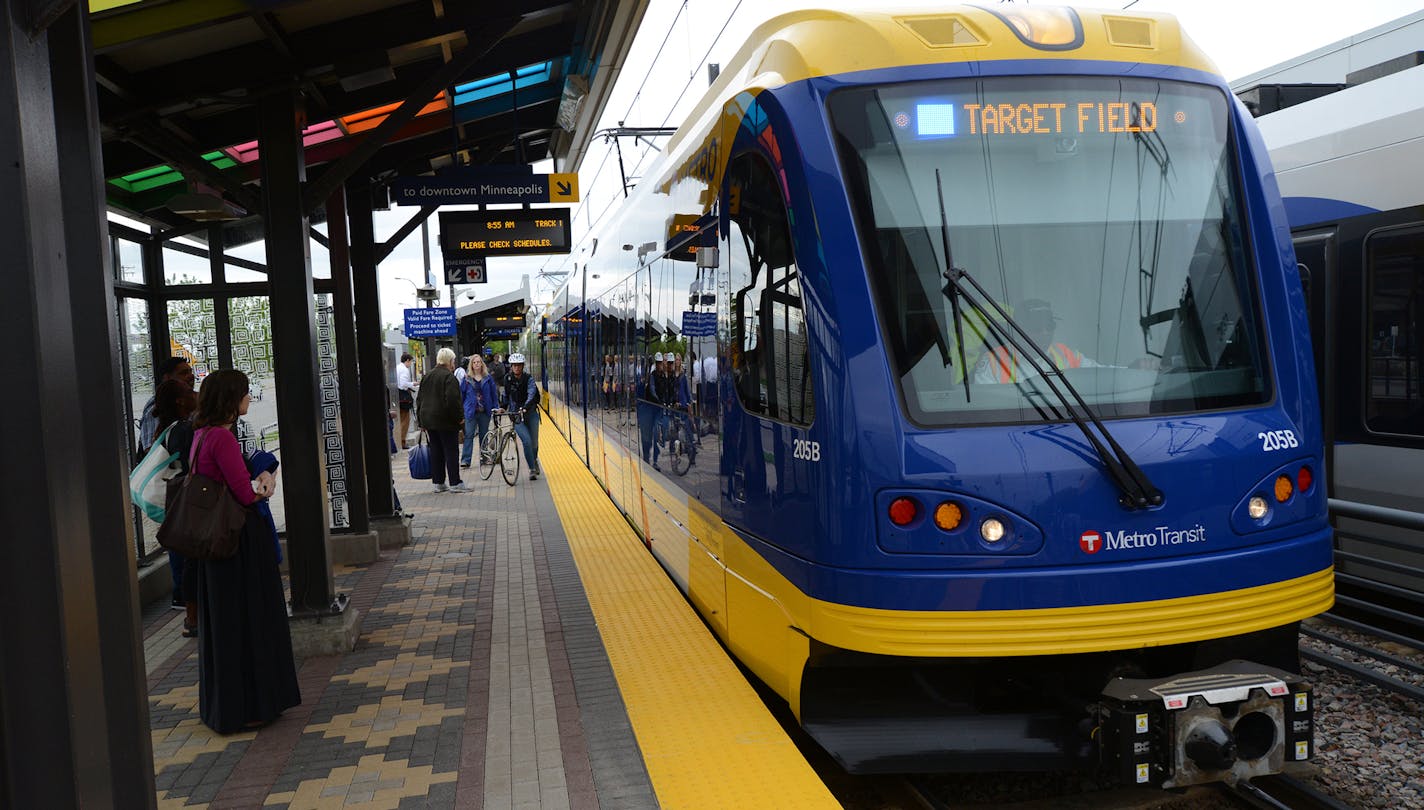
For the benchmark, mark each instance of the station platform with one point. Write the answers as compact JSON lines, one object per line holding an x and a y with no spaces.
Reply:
{"x":525,"y":650}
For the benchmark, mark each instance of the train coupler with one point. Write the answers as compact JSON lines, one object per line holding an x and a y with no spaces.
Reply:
{"x":1234,"y":721}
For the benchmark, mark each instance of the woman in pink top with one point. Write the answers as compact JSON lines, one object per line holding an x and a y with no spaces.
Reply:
{"x":246,"y":675}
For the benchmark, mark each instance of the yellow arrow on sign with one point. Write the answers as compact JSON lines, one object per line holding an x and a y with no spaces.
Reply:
{"x":563,"y":187}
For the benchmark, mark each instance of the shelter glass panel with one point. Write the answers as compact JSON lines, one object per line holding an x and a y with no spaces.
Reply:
{"x":192,"y":333}
{"x":332,"y":443}
{"x":181,"y":268}
{"x":128,"y":261}
{"x":251,"y":336}
{"x":137,"y":368}
{"x":138,"y":361}
{"x":240,"y":275}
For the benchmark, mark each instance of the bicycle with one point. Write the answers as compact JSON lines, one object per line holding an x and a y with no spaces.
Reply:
{"x":674,"y":436}
{"x":501,"y":447}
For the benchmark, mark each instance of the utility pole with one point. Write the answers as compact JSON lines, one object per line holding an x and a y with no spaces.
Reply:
{"x":430,"y":284}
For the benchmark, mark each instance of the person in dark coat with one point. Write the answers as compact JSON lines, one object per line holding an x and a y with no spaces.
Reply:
{"x":246,"y":672}
{"x":442,"y":414}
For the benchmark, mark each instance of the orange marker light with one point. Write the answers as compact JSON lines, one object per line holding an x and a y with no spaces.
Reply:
{"x":948,"y":515}
{"x":1284,"y":488}
{"x":903,"y":510}
{"x":1304,"y":479}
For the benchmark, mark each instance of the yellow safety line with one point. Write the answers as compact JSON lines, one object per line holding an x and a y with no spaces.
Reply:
{"x":706,"y":737}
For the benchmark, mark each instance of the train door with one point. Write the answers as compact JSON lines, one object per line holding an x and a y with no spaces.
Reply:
{"x":767,"y":491}
{"x":1315,"y":254}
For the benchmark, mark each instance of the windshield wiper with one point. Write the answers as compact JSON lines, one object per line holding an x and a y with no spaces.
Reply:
{"x":1136,"y":490}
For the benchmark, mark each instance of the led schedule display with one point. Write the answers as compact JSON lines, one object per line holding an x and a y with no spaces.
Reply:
{"x":504,"y":233}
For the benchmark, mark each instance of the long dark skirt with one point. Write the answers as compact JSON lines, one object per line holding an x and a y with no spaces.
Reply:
{"x":246,"y":673}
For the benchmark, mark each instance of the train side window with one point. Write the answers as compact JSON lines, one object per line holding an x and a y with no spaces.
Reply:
{"x":1394,"y":399}
{"x":769,"y":351}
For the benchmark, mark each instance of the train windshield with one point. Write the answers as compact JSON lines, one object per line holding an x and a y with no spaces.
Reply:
{"x":1100,"y":213}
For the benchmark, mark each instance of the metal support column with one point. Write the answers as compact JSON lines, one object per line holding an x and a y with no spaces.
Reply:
{"x":370,"y":351}
{"x":222,"y":311}
{"x":73,"y":703}
{"x":344,"y":321}
{"x":294,"y":349}
{"x":160,"y":339}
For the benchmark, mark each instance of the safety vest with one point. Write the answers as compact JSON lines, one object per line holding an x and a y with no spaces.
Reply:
{"x":1006,"y":365}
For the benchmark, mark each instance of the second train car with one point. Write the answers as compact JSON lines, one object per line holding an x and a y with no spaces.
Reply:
{"x":985,"y":342}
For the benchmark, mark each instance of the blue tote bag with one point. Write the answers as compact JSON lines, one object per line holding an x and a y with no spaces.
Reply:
{"x":419,"y":459}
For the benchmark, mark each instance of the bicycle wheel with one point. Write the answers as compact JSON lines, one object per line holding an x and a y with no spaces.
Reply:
{"x":488,"y":455}
{"x":509,"y":459}
{"x":677,"y":449}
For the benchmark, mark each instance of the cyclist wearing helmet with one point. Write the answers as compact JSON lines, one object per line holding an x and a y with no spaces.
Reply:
{"x":521,"y":394}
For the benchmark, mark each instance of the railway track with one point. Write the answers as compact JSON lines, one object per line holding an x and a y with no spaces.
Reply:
{"x":1281,"y":793}
{"x":1368,"y":604}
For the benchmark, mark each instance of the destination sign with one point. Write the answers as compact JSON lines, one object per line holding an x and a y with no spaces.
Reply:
{"x":945,"y":119}
{"x":471,"y":187}
{"x":504,"y":233}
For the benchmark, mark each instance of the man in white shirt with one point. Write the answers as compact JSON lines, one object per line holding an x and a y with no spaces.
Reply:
{"x":405,"y":390}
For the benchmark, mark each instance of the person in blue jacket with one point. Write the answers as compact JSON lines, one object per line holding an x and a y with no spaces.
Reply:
{"x":521,"y":395}
{"x":481,"y":397}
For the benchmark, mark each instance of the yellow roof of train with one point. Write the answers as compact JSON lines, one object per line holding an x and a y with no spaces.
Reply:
{"x":816,"y":42}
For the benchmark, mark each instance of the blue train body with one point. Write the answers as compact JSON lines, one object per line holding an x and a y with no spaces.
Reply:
{"x":835,"y":528}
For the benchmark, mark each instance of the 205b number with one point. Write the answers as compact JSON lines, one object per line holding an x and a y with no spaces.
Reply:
{"x":1278,"y":440}
{"x":806,"y":450}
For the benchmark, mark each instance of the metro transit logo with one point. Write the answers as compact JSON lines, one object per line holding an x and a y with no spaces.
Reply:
{"x":1091,"y":542}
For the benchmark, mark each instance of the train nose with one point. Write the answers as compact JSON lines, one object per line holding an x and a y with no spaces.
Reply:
{"x":1211,"y":745}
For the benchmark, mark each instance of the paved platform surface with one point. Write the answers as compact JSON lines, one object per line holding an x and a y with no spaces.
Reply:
{"x":481,"y":678}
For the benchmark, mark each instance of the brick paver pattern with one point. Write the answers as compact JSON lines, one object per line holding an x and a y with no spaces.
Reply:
{"x":467,"y":686}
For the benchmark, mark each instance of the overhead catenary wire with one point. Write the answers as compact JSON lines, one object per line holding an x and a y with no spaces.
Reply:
{"x":614,"y":200}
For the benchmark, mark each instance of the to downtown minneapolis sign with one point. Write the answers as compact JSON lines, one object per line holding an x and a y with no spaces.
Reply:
{"x":478,"y":188}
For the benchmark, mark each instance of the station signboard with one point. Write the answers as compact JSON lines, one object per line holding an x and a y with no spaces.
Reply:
{"x":699,"y":324}
{"x":480,"y":187}
{"x":421,"y":322}
{"x":528,"y":232}
{"x":465,"y":270}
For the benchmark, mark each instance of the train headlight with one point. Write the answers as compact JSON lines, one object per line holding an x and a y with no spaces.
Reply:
{"x":948,"y":515}
{"x":1043,"y":26}
{"x":1283,"y":488}
{"x":1256,"y":507}
{"x":992,"y":530}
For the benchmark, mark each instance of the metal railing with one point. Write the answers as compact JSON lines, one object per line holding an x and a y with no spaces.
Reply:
{"x":1375,"y":599}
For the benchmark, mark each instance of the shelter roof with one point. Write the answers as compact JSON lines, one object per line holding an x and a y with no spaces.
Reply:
{"x":507,"y":83}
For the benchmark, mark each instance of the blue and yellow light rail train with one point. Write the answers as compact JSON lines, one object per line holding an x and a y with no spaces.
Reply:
{"x":956,"y":366}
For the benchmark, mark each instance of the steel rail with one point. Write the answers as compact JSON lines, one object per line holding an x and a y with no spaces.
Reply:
{"x":1387,"y":635}
{"x":1378,"y":655}
{"x":1363,"y":673}
{"x":1282,"y":792}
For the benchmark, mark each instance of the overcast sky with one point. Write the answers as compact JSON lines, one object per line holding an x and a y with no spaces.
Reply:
{"x":665,"y":75}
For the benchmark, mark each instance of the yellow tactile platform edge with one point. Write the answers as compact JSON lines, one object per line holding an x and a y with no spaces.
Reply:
{"x":707,"y":739}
